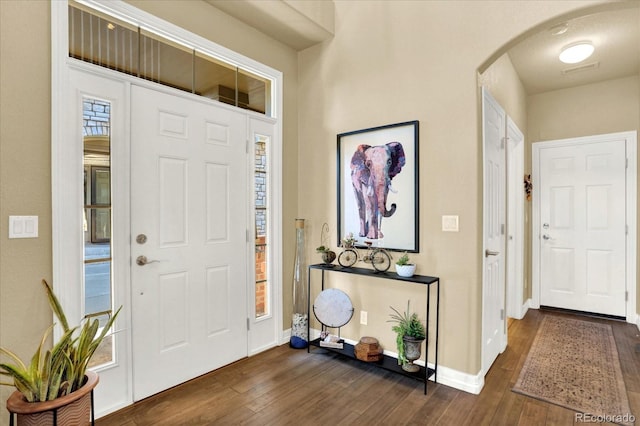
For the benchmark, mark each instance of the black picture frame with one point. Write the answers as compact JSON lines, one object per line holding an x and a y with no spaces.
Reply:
{"x":364,"y":158}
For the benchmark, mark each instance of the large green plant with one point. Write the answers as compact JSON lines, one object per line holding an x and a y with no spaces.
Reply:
{"x":407,"y":324}
{"x":60,"y":370}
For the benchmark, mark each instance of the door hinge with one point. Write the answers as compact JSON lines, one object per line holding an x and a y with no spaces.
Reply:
{"x":502,"y":229}
{"x":247,"y":147}
{"x":501,"y":314}
{"x":247,"y":324}
{"x":626,"y":296}
{"x":626,"y":163}
{"x":626,"y":230}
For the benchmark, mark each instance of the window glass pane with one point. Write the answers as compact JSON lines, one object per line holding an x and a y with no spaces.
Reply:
{"x":164,"y":62}
{"x":98,"y":290}
{"x":102,"y":40}
{"x":215,"y":79}
{"x":260,"y":186}
{"x":254,"y":92}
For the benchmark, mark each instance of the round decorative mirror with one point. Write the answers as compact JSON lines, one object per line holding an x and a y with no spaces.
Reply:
{"x":333,"y":308}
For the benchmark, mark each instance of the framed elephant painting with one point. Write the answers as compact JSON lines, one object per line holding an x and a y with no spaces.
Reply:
{"x":378,"y":186}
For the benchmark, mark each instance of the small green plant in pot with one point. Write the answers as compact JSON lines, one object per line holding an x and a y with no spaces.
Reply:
{"x":328,"y":255}
{"x":404,"y":267}
{"x":56,"y":373}
{"x":410,"y":333}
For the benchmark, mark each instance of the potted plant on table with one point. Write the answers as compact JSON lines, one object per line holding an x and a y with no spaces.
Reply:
{"x":328,"y":255}
{"x":404,"y":267}
{"x":410,"y":333}
{"x":56,"y":384}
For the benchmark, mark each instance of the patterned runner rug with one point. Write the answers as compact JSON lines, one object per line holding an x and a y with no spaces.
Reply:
{"x":574,"y":364}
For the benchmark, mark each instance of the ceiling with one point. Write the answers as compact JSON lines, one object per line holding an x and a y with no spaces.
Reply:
{"x":615,"y":35}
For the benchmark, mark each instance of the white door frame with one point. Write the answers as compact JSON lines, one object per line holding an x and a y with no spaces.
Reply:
{"x":515,"y":221}
{"x":67,"y":251}
{"x":631,"y":213}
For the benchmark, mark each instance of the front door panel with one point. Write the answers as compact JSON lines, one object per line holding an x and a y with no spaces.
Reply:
{"x":189,"y":199}
{"x":582,"y":230}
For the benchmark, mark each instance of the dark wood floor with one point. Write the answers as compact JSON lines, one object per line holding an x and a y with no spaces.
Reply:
{"x":287,"y":386}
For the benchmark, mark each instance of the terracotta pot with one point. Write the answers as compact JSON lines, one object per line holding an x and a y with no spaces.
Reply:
{"x":72,"y":409}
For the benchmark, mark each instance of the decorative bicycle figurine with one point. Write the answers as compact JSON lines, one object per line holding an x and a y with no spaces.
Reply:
{"x":378,"y":257}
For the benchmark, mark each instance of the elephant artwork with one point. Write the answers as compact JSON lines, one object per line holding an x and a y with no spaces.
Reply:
{"x":372,"y":169}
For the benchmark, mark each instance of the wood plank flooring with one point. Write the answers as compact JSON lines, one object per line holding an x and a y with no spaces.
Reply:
{"x":286,"y":386}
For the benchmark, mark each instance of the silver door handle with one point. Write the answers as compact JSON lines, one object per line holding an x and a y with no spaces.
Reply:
{"x":488,"y":253}
{"x":142,"y":260}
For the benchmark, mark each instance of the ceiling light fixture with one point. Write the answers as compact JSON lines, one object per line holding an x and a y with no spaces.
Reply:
{"x":576,"y":52}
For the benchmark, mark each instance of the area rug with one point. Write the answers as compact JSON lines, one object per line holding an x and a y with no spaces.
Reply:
{"x":574,"y":364}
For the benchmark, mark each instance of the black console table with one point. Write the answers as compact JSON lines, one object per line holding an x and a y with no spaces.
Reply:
{"x":387,"y":362}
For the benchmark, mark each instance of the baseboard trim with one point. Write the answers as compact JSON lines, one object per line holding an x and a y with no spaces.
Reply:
{"x":462,"y":381}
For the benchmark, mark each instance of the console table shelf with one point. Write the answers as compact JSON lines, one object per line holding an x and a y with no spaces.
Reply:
{"x":387,"y":362}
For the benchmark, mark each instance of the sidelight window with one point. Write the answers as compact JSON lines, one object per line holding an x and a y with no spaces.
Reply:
{"x":262,"y":301}
{"x":98,"y":282}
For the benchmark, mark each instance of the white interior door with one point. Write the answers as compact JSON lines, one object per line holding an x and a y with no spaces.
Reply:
{"x":582,"y":229}
{"x":494,"y":195}
{"x":189,"y":201}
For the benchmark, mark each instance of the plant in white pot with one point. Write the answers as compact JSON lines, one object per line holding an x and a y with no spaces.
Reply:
{"x":404,"y":267}
{"x":55,"y":386}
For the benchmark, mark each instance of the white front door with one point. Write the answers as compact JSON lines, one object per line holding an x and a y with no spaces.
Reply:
{"x":494,"y":195}
{"x":582,"y":234}
{"x":189,"y":219}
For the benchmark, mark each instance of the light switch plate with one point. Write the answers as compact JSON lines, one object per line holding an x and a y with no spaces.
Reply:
{"x":450,"y":223}
{"x":23,"y":226}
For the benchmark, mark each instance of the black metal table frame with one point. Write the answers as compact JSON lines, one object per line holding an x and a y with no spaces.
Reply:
{"x":416,"y":279}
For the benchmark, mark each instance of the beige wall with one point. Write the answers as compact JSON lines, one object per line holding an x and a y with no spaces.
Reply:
{"x":397,"y":61}
{"x":25,"y":175}
{"x":503,"y":82}
{"x":389,"y":62}
{"x":607,"y":107}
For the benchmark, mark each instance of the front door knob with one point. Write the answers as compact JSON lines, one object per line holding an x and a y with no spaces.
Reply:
{"x":142,"y":260}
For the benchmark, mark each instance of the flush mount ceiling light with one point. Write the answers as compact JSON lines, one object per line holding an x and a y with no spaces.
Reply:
{"x":576,"y":52}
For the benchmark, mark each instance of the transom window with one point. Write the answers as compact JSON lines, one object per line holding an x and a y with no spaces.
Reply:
{"x":111,"y":43}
